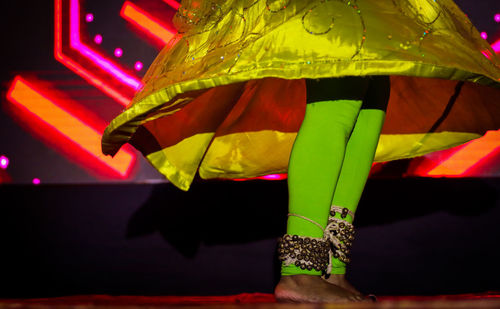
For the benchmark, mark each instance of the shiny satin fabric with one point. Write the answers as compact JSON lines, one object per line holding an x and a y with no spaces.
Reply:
{"x":227,"y":95}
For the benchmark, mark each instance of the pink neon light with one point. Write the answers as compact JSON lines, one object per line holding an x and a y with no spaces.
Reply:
{"x":173,"y":3}
{"x":36,"y":181}
{"x":4,"y":162}
{"x":89,"y":17}
{"x":146,"y":23}
{"x":98,"y":39}
{"x":118,"y":52}
{"x":496,"y":46}
{"x":497,"y":18}
{"x":266,"y":177}
{"x":104,"y":63}
{"x":138,"y":66}
{"x":274,"y":177}
{"x":484,"y":35}
{"x":76,"y":67}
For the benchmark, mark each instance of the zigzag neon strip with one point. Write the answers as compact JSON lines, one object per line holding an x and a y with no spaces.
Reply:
{"x":30,"y":98}
{"x":76,"y":67}
{"x":101,"y":61}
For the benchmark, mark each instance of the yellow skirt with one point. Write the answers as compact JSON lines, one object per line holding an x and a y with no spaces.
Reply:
{"x":227,"y":95}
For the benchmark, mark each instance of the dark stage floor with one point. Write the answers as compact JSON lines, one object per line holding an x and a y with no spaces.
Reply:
{"x":414,"y":237}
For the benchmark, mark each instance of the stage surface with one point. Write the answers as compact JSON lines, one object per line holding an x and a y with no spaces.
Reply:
{"x":251,"y":300}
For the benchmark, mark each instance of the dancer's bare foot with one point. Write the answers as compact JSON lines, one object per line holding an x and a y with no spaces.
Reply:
{"x":341,"y":281}
{"x":312,"y":289}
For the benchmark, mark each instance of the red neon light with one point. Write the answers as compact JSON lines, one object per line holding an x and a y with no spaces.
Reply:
{"x":173,"y":3}
{"x":468,"y":156}
{"x":69,"y":130}
{"x":146,"y":23}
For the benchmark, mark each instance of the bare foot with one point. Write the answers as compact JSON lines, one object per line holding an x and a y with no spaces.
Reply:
{"x":312,"y":289}
{"x":341,"y":281}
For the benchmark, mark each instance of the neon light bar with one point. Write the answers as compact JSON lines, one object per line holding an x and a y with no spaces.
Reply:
{"x":77,"y":68}
{"x":104,"y":63}
{"x":146,"y":23}
{"x":468,"y":156}
{"x":64,"y":123}
{"x":174,"y":4}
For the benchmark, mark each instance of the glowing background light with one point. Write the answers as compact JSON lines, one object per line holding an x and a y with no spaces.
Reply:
{"x":89,"y":17}
{"x":484,"y":35}
{"x":4,"y":162}
{"x":274,"y":177}
{"x":468,"y":156}
{"x":138,"y":66}
{"x":497,"y":18}
{"x":68,"y":128}
{"x":76,"y":44}
{"x":98,"y":39}
{"x":145,"y":22}
{"x":174,"y":4}
{"x":496,"y":46}
{"x":36,"y":181}
{"x":118,"y":52}
{"x":73,"y":64}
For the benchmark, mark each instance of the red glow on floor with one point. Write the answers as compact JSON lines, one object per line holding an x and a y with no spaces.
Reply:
{"x":248,"y":300}
{"x":48,"y":119}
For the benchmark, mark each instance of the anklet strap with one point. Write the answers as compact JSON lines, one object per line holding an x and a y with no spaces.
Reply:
{"x":340,"y":234}
{"x":343,"y":211}
{"x":307,"y":219}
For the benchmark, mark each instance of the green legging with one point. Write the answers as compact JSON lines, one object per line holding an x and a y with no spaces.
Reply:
{"x":332,"y":156}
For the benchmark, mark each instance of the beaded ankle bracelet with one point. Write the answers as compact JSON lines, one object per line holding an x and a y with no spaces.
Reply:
{"x":317,"y":253}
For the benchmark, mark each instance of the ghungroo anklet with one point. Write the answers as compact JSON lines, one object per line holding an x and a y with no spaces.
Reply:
{"x":340,"y":233}
{"x":317,"y":253}
{"x":304,"y":252}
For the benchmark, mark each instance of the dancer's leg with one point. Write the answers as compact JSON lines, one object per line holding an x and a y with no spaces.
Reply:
{"x":368,"y":122}
{"x":360,"y":151}
{"x":315,"y":162}
{"x":314,"y":167}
